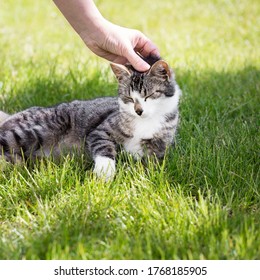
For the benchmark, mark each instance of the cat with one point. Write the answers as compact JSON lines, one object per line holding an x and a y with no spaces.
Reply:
{"x":142,"y":120}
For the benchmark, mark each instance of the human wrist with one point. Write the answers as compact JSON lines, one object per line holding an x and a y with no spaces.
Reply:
{"x":94,"y":28}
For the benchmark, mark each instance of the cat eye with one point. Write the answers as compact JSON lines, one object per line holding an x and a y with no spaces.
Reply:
{"x":129,"y":99}
{"x":148,"y":96}
{"x":160,"y":91}
{"x":157,"y":91}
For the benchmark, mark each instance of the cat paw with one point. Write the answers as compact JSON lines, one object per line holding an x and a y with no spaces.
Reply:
{"x":105,"y":168}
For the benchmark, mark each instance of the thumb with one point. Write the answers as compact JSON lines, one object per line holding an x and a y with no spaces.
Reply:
{"x":136,"y":61}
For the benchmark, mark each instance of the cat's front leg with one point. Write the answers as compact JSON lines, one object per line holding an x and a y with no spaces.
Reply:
{"x":103,"y":151}
{"x":154,"y":147}
{"x":104,"y":167}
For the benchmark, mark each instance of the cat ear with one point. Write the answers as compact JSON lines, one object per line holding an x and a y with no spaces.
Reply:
{"x":120,"y":71}
{"x":160,"y":69}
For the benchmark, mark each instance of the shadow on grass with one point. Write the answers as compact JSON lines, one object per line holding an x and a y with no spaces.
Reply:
{"x":55,"y":89}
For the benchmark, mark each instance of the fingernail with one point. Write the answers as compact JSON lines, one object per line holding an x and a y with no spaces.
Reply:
{"x":143,"y":67}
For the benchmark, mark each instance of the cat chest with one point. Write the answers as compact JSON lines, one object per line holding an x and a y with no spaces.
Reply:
{"x":142,"y":129}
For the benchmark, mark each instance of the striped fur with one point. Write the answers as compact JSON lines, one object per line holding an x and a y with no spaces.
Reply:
{"x":142,"y":119}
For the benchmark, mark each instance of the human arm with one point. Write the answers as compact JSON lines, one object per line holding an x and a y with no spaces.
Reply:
{"x":112,"y":42}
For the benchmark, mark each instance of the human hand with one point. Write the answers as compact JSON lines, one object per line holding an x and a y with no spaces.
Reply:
{"x":120,"y":45}
{"x":107,"y":40}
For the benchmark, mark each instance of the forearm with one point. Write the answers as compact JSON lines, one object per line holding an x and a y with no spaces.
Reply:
{"x":107,"y":40}
{"x":82,"y":15}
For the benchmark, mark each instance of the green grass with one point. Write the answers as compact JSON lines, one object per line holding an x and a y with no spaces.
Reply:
{"x":202,"y":202}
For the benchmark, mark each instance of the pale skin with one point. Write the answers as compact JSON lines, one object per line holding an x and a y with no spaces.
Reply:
{"x":107,"y":40}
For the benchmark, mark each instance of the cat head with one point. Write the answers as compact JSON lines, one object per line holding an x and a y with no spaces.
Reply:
{"x":144,"y":94}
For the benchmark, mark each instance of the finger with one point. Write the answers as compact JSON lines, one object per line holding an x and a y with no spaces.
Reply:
{"x":136,"y":61}
{"x":113,"y":57}
{"x":146,"y":47}
{"x":119,"y":60}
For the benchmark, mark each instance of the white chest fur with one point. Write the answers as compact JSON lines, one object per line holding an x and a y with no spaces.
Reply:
{"x":143,"y":129}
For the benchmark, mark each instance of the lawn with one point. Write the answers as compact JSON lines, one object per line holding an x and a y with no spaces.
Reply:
{"x":202,"y":201}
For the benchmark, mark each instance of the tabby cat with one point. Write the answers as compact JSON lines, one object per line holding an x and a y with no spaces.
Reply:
{"x":142,"y":119}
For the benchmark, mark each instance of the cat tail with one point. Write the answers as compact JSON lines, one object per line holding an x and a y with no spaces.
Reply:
{"x":3,"y":116}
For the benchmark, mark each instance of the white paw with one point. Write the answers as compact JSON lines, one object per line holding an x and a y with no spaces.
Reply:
{"x":105,"y":168}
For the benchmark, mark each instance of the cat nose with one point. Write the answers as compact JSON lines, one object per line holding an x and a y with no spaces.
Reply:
{"x":139,"y":111}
